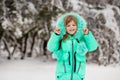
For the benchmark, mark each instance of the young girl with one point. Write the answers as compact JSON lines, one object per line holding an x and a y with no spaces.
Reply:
{"x":70,"y":42}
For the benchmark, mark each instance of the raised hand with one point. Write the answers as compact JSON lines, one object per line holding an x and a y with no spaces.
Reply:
{"x":85,"y":30}
{"x":57,"y":30}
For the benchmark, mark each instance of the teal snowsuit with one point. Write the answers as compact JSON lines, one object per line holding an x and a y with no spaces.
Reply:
{"x":71,"y":53}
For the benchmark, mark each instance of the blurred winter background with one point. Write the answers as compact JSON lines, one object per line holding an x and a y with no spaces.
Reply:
{"x":25,"y":27}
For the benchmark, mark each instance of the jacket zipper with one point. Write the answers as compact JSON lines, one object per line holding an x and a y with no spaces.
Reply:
{"x":69,"y":58}
{"x":72,"y":60}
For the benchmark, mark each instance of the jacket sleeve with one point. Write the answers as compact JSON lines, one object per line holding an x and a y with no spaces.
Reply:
{"x":53,"y":42}
{"x":90,"y":41}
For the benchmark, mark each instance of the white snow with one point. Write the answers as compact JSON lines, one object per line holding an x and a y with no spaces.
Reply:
{"x":18,"y":32}
{"x":19,"y":19}
{"x":32,"y":8}
{"x":28,"y":20}
{"x":58,"y":4}
{"x":75,"y":4}
{"x":111,"y":22}
{"x":6,"y":23}
{"x":28,"y":69}
{"x":95,"y":72}
{"x":38,"y":69}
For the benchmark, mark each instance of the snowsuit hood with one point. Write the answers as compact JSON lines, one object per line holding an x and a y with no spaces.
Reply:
{"x":81,"y":23}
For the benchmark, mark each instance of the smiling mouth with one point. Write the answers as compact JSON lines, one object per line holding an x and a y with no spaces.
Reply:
{"x":72,"y":30}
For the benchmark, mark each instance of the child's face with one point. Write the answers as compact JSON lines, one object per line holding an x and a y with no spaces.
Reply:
{"x":71,"y":27}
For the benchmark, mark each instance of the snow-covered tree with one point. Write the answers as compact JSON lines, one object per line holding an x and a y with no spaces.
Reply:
{"x":26,"y":26}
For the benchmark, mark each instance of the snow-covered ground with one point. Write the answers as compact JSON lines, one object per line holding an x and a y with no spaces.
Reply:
{"x":37,"y":69}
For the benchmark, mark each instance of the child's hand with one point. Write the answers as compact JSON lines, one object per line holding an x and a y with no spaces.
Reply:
{"x":57,"y":30}
{"x":85,"y":30}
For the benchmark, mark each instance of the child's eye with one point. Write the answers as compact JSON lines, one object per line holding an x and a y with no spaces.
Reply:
{"x":68,"y":25}
{"x":73,"y":25}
